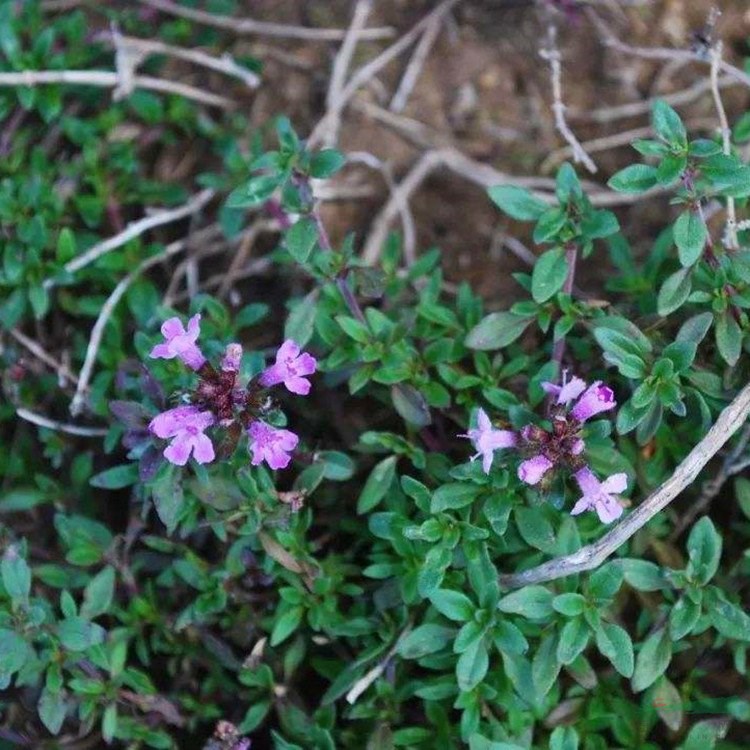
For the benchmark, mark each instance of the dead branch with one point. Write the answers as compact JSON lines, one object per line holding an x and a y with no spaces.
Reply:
{"x":730,"y":234}
{"x":263,"y":28}
{"x":133,"y":230}
{"x":113,"y":80}
{"x":53,"y":424}
{"x":552,"y":55}
{"x":334,"y":100}
{"x":224,"y":64}
{"x":414,"y":68}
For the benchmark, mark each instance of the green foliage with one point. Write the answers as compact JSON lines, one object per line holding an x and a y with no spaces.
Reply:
{"x":354,"y":600}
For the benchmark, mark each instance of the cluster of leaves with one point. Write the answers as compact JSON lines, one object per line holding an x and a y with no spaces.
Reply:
{"x":143,"y":603}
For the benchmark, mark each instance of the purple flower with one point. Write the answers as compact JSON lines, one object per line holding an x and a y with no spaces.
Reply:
{"x":569,"y":390}
{"x":181,"y":343}
{"x":598,"y":495}
{"x":533,"y":469}
{"x":486,"y":439}
{"x":232,"y":356}
{"x":185,"y":425}
{"x":271,"y":445}
{"x":595,"y":399}
{"x":290,"y":367}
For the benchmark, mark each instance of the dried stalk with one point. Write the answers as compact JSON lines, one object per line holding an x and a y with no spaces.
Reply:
{"x":263,"y":28}
{"x":133,"y":230}
{"x":113,"y":80}
{"x":730,"y":234}
{"x":53,"y":424}
{"x":553,"y":57}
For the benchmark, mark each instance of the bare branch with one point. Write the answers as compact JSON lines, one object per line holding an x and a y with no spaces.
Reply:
{"x":676,"y":99}
{"x":730,"y":234}
{"x":334,"y":100}
{"x":224,"y":64}
{"x":53,"y":424}
{"x":661,"y":53}
{"x":109,"y":79}
{"x":729,"y":421}
{"x":263,"y":28}
{"x":414,"y":68}
{"x":63,"y":372}
{"x":135,"y":229}
{"x":553,"y":57}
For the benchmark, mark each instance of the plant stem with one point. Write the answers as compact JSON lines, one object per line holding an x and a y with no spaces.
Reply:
{"x":342,"y":278}
{"x":571,"y":255}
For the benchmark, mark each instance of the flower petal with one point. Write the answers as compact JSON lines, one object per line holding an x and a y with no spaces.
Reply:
{"x":172,"y":327}
{"x":162,"y":351}
{"x":203,"y":449}
{"x":616,"y":483}
{"x":178,"y":451}
{"x":288,"y":350}
{"x":581,"y":506}
{"x":297,"y":385}
{"x":608,"y":509}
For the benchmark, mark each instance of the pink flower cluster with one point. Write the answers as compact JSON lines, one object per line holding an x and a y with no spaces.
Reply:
{"x":219,"y":400}
{"x":562,"y":446}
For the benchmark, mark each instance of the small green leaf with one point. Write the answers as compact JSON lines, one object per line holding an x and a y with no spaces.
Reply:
{"x":452,"y":604}
{"x":326,"y":163}
{"x":377,"y":484}
{"x":574,"y":638}
{"x":97,"y":596}
{"x":423,"y":640}
{"x":454,"y":495}
{"x":497,"y":330}
{"x":286,"y":624}
{"x":614,"y":643}
{"x":517,"y":202}
{"x":668,"y":125}
{"x":674,"y":291}
{"x":301,"y":239}
{"x":728,"y":337}
{"x":51,"y":709}
{"x":77,"y":634}
{"x":533,"y":602}
{"x":16,"y":575}
{"x":637,"y":178}
{"x":116,"y":478}
{"x":472,"y":666}
{"x":704,"y":549}
{"x":690,"y":235}
{"x":652,"y":660}
{"x":548,"y":277}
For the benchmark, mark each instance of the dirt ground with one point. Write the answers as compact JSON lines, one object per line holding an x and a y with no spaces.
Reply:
{"x":485,"y":89}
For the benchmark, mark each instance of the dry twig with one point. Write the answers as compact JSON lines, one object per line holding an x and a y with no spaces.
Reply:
{"x":224,"y":64}
{"x":53,"y":424}
{"x":334,"y":100}
{"x":135,"y":229}
{"x":552,"y":55}
{"x":661,"y":53}
{"x":113,"y":80}
{"x":263,"y":28}
{"x":730,"y":420}
{"x":414,"y":68}
{"x":63,"y":372}
{"x":730,"y":234}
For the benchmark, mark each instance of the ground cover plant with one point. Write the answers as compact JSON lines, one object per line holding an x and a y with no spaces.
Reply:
{"x":276,"y":473}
